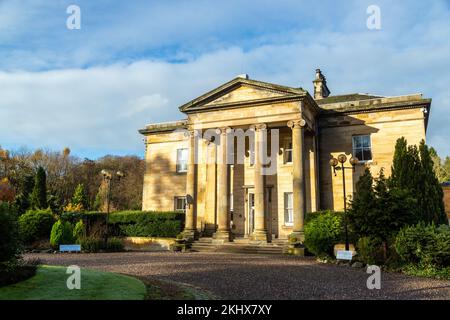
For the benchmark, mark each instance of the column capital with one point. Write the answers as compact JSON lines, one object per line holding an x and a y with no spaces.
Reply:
{"x":191,"y":133}
{"x":223,"y":130}
{"x":258,"y":126}
{"x":296,"y":123}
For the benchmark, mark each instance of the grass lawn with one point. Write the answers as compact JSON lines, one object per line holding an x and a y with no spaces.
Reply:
{"x":50,"y":284}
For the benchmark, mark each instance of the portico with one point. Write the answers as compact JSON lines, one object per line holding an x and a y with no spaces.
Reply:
{"x":238,"y":160}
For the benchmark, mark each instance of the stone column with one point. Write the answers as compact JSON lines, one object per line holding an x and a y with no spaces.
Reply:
{"x":260,"y":232}
{"x":298,"y":177}
{"x":190,"y":229}
{"x":223,"y":233}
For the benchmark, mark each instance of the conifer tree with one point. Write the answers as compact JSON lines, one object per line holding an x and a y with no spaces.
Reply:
{"x":430,"y":195}
{"x":38,"y":197}
{"x":79,"y":197}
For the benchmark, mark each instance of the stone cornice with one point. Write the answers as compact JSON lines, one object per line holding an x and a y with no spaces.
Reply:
{"x":233,"y":84}
{"x":424,"y":103}
{"x":246,"y":103}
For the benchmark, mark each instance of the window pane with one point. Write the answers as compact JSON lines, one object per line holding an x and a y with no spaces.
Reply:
{"x":367,"y":154}
{"x":359,"y":154}
{"x":366,"y":141}
{"x":182,"y":156}
{"x":357,"y":142}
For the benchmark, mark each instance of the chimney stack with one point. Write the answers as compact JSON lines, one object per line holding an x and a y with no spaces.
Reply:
{"x":320,"y":86}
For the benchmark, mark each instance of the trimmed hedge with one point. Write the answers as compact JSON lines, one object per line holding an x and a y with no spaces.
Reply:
{"x":132,"y":223}
{"x":35,"y":225}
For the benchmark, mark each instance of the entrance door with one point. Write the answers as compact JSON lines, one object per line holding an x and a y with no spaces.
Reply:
{"x":251,"y":213}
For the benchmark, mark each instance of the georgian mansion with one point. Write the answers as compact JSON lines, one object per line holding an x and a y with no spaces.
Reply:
{"x":251,"y":158}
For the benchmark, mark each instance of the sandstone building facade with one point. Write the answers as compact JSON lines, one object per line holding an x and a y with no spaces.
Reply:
{"x":228,"y":188}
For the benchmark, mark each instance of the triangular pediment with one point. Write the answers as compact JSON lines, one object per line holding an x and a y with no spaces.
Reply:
{"x":240,"y":91}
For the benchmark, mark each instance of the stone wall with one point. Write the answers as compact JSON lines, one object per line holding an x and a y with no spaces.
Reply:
{"x":384,"y":127}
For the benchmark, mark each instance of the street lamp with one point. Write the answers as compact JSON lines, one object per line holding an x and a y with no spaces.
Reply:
{"x":108,"y":177}
{"x":342,"y":158}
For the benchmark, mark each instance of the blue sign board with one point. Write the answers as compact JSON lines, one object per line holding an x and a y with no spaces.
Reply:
{"x":69,"y":248}
{"x":344,"y":255}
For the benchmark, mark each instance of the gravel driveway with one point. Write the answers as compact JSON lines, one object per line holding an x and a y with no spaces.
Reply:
{"x":236,"y":276}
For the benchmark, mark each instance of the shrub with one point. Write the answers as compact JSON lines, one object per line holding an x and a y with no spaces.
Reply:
{"x":370,"y":250}
{"x":79,"y":231}
{"x":9,"y":236}
{"x":323,"y":232}
{"x":130,"y":223}
{"x":114,"y":245}
{"x":94,"y":244}
{"x":61,"y":233}
{"x":157,"y":228}
{"x":427,"y":245}
{"x":35,"y":225}
{"x":91,"y":244}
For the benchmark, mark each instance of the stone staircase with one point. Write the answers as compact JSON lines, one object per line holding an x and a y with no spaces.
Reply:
{"x":239,"y":245}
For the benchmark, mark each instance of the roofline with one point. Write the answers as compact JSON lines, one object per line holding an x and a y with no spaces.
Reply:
{"x":238,"y":80}
{"x":163,"y":127}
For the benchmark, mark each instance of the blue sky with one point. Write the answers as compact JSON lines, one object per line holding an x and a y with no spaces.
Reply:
{"x":135,"y":62}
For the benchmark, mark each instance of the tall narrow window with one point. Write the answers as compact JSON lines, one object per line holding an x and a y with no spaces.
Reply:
{"x":362,"y":148}
{"x":182,"y":160}
{"x":180,"y":204}
{"x":287,"y":151}
{"x":288,"y":208}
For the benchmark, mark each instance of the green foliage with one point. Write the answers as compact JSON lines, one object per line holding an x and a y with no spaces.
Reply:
{"x":155,"y":228}
{"x":22,"y":200}
{"x":148,"y":224}
{"x":430,"y":271}
{"x":370,"y":251}
{"x":379,"y":211}
{"x":143,"y":217}
{"x":9,"y":235}
{"x":430,"y":194}
{"x":80,"y":197}
{"x":91,"y":244}
{"x":323,"y":232}
{"x":35,"y":225}
{"x":62,"y":233}
{"x":424,"y":245}
{"x":79,"y":231}
{"x":114,"y":245}
{"x":94,"y":244}
{"x":38,"y":197}
{"x":413,"y":170}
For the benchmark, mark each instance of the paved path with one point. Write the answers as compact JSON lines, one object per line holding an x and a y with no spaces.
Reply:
{"x":236,"y":276}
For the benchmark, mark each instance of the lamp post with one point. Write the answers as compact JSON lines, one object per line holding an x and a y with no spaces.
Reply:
{"x":108,"y":177}
{"x":342,"y":158}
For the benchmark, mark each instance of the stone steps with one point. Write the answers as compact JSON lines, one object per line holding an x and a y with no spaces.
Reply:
{"x":238,"y":246}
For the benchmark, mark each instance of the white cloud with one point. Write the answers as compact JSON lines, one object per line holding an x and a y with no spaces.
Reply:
{"x":99,"y":108}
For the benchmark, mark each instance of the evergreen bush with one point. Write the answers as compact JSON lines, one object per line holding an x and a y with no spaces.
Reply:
{"x":323,"y":232}
{"x":62,"y":233}
{"x":35,"y":225}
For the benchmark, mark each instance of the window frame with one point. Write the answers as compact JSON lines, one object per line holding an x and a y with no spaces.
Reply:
{"x":179,"y":165}
{"x":288,"y":212}
{"x":362,"y":148}
{"x":183,"y":198}
{"x":286,"y":142}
